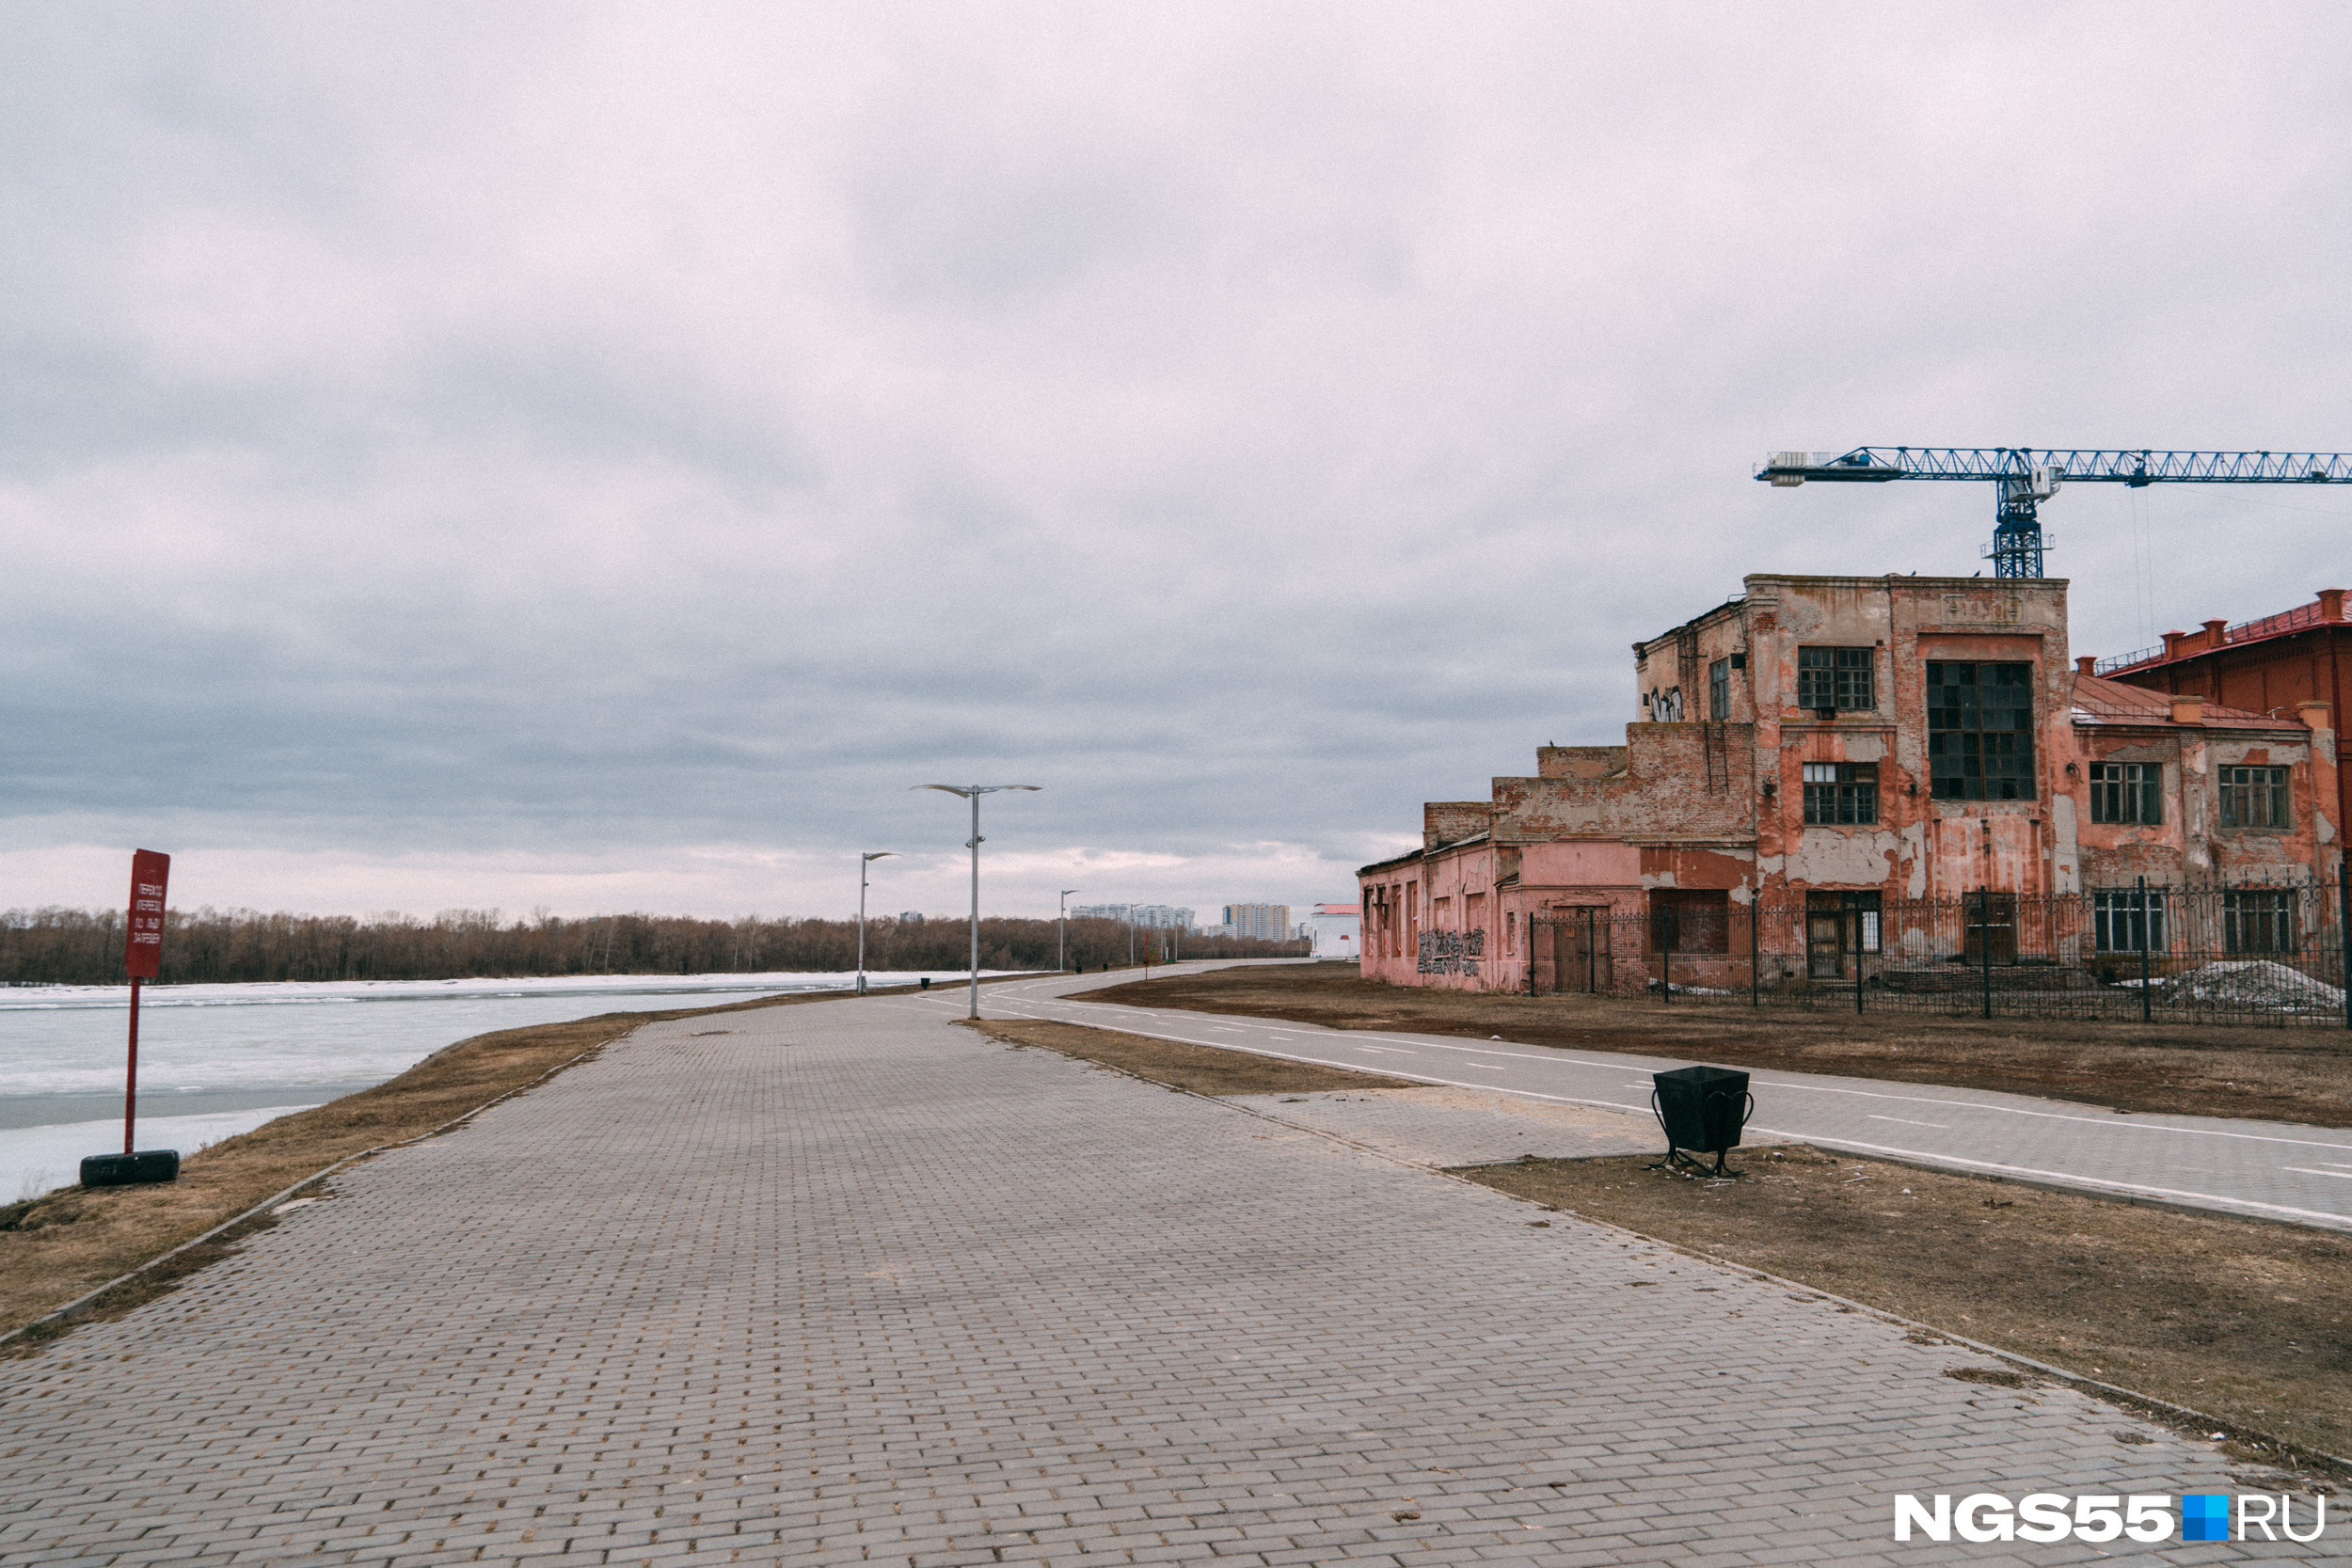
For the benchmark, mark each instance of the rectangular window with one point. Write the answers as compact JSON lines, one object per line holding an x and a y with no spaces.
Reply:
{"x":2127,"y":792}
{"x":1837,"y":924}
{"x":1719,"y":689}
{"x":2257,"y":921}
{"x":2254,"y":797}
{"x":1981,"y":731}
{"x":1841,"y":792}
{"x":1834,"y":680}
{"x":1690,"y":920}
{"x":2117,"y":921}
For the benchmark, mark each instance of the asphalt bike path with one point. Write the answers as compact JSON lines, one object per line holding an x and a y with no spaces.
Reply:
{"x":2266,"y":1170}
{"x":844,"y":1283}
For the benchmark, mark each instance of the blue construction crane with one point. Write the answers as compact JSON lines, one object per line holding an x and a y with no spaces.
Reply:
{"x":2029,"y":475}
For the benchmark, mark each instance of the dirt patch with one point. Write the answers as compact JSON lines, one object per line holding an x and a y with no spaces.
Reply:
{"x":56,"y":1247}
{"x":2298,"y":1075}
{"x":1200,"y":1069}
{"x":2239,"y":1319}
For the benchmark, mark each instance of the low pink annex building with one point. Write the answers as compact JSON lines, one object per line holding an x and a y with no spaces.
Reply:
{"x":1836,"y":746}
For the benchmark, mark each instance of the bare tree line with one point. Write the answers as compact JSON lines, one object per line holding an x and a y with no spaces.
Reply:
{"x":84,"y":946}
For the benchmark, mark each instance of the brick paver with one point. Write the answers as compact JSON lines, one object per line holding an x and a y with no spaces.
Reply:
{"x":847,"y":1284}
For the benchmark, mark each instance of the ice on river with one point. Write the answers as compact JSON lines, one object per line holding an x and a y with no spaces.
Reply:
{"x":248,"y":1052}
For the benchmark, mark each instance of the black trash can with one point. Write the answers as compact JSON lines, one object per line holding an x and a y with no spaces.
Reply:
{"x":125,"y":1170}
{"x":1702,"y":1108}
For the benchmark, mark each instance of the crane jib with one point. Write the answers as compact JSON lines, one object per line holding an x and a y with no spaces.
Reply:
{"x":2029,"y":475}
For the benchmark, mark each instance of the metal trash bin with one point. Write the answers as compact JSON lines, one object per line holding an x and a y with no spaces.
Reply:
{"x":1701,"y":1108}
{"x":124,"y":1170}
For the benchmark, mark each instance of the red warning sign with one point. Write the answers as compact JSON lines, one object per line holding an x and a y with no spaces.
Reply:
{"x":143,"y":944}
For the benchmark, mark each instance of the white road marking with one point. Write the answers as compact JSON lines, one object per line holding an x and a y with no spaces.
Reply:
{"x":2306,"y":1170}
{"x":2140,"y":1123}
{"x":1939,"y":1126}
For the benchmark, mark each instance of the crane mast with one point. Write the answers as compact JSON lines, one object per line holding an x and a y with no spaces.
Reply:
{"x":2028,"y":476}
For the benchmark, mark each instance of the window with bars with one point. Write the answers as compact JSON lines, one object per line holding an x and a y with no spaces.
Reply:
{"x":1834,"y":680}
{"x":2119,"y":919}
{"x":1719,"y":689}
{"x":2254,"y":797}
{"x":1841,"y":793}
{"x":2131,"y":792}
{"x":2257,"y":921}
{"x":1981,"y":731}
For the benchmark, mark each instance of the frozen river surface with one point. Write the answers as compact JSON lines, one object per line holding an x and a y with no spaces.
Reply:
{"x":218,"y":1060}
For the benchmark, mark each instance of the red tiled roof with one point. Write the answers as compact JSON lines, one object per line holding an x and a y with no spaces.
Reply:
{"x":2104,"y":701}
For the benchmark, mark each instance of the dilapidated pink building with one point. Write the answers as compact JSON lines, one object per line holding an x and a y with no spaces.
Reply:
{"x":1843,"y":744}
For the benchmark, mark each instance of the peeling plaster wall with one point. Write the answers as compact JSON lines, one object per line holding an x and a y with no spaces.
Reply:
{"x":1721,"y":805}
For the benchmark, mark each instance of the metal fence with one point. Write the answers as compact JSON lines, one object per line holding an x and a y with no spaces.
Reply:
{"x":2261,"y":954}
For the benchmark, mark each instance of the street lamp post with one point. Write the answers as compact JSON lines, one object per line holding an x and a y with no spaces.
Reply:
{"x":1062,"y":944}
{"x":973,"y":793}
{"x":863,"y":861}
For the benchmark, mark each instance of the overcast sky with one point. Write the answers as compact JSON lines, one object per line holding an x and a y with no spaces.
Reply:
{"x":600,"y":456}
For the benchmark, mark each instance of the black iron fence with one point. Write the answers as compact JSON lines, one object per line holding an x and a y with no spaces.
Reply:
{"x":2260,"y":953}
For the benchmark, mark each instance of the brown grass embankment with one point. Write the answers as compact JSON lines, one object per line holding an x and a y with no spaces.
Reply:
{"x":2279,"y":1074}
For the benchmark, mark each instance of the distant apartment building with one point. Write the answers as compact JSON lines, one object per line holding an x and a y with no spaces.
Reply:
{"x":1259,"y":922}
{"x":1153,"y":916}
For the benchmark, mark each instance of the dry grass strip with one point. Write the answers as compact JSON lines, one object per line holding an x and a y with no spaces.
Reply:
{"x":2243,"y":1319}
{"x":2241,"y":1323}
{"x":2301,"y":1074}
{"x":63,"y":1244}
{"x":1195,"y":1068}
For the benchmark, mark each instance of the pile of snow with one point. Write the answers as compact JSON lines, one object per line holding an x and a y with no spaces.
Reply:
{"x":2257,"y":984}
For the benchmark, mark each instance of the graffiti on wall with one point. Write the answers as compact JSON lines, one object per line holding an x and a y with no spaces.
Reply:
{"x":1451,"y":952}
{"x":1663,"y":707}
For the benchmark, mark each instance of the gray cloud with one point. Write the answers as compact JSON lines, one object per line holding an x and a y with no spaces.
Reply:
{"x":603,"y":430}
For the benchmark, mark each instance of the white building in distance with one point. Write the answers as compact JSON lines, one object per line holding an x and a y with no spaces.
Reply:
{"x":1336,"y":929}
{"x":1156,"y":916}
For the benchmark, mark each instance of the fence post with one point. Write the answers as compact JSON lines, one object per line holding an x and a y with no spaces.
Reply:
{"x":1856,"y":915}
{"x":1666,"y":958}
{"x":1984,"y":941}
{"x":2344,"y":926}
{"x":1756,"y":912}
{"x":2144,"y":1003}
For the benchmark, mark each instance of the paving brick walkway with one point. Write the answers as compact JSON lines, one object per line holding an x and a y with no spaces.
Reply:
{"x":847,"y":1284}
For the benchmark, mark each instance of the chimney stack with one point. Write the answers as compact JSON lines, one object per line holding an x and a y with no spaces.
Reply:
{"x":2214,"y":630}
{"x":2331,"y":604}
{"x":2086,"y":665}
{"x":2188,"y":710}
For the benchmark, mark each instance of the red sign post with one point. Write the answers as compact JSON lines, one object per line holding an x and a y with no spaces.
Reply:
{"x":143,"y":958}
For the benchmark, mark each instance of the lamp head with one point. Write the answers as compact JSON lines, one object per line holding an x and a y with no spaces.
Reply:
{"x":969,"y":790}
{"x":877,"y":854}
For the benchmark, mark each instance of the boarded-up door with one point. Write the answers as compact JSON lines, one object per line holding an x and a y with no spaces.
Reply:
{"x":1825,"y":943}
{"x":1992,"y":917}
{"x":1580,"y":950}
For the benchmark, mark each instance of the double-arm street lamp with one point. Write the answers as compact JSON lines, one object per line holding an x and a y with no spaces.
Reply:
{"x":1061,"y":946}
{"x":973,"y":793}
{"x":863,"y":861}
